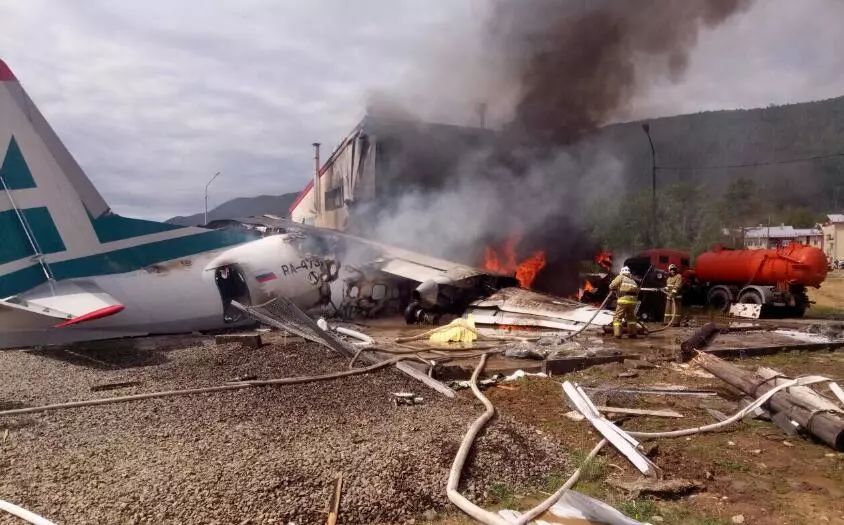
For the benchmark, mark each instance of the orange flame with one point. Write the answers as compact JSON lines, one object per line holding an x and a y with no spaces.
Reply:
{"x":504,"y":261}
{"x":604,"y":259}
{"x":586,"y":288}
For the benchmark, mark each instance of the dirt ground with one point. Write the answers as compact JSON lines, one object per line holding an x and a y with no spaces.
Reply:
{"x":752,"y":470}
{"x":269,"y":455}
{"x":829,"y":298}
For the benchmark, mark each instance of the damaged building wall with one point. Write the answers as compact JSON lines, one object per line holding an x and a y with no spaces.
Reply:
{"x":379,"y":160}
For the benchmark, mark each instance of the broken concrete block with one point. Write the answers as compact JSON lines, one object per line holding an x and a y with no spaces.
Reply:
{"x":246,"y":340}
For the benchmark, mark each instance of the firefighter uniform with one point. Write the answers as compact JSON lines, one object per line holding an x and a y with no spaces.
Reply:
{"x":625,"y":308}
{"x":674,"y":297}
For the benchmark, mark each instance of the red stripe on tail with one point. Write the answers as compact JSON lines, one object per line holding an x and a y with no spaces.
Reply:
{"x":6,"y":74}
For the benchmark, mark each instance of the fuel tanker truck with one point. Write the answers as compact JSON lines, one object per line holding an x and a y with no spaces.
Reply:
{"x":775,"y":279}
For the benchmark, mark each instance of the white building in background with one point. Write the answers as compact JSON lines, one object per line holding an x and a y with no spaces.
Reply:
{"x":764,"y":237}
{"x":833,"y":236}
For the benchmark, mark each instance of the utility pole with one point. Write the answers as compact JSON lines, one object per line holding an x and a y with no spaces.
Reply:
{"x":654,"y":240}
{"x":206,"y":197}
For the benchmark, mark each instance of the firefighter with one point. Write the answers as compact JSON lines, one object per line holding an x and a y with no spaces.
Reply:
{"x":625,"y":308}
{"x":673,"y":298}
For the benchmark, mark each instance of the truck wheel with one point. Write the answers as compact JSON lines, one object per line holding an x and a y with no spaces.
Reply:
{"x":718,"y":299}
{"x":750,"y":297}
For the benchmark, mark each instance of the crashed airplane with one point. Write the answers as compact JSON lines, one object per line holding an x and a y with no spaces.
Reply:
{"x":72,"y":270}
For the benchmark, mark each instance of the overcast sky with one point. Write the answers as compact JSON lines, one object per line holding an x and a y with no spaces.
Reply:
{"x":152,"y":97}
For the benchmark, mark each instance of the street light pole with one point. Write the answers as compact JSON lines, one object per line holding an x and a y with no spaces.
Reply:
{"x":206,"y":197}
{"x":647,"y":128}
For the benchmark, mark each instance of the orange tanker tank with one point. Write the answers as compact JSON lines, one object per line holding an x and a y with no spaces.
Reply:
{"x":794,"y":264}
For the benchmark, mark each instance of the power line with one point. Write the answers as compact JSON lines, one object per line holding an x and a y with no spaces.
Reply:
{"x":752,"y":164}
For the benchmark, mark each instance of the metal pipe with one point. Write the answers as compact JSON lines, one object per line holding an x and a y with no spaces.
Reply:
{"x":317,"y":195}
{"x":206,"y":197}
{"x":647,"y":128}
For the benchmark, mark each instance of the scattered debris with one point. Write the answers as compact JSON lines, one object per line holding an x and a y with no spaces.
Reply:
{"x":640,"y":412}
{"x":657,"y":390}
{"x":521,"y":374}
{"x":746,"y":310}
{"x":407,"y":398}
{"x":114,"y":386}
{"x":628,"y":374}
{"x":717,"y":414}
{"x":334,"y":502}
{"x":620,"y":439}
{"x":574,"y":507}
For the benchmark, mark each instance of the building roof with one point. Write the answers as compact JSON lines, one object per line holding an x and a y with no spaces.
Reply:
{"x":836,"y":217}
{"x":779,"y":232}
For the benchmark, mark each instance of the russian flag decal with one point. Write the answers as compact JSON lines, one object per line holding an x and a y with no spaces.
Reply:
{"x":264,"y":277}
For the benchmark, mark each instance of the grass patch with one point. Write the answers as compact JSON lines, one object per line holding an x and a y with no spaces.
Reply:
{"x":687,"y":517}
{"x":825,"y":312}
{"x":734,"y":466}
{"x":502,"y":494}
{"x":594,"y":470}
{"x":639,"y":508}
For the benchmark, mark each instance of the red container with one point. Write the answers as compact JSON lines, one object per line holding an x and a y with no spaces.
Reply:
{"x":793,"y":264}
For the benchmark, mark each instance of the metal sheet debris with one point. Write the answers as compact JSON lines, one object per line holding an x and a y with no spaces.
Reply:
{"x":620,"y":439}
{"x":574,"y":508}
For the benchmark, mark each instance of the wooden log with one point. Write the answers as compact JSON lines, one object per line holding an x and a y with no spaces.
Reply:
{"x":698,"y":341}
{"x":639,"y":412}
{"x":825,"y":426}
{"x":805,"y":395}
{"x":756,"y":351}
{"x":334,"y":502}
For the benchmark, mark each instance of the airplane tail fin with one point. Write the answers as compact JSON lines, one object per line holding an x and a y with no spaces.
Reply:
{"x":54,"y":224}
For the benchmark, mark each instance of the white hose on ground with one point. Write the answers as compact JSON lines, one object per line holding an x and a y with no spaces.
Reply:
{"x":584,"y":327}
{"x":205,"y":390}
{"x":482,"y":515}
{"x":476,"y":512}
{"x":526,"y":517}
{"x":25,"y":515}
{"x":365,"y":339}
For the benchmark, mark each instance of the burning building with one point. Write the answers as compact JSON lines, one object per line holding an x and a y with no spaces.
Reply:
{"x":378,"y":161}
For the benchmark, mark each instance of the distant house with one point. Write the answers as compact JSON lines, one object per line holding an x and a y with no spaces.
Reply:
{"x":764,"y":237}
{"x":833,"y":236}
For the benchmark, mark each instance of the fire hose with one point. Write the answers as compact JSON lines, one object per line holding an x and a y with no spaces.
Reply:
{"x":204,"y":390}
{"x":22,"y":513}
{"x":476,"y":512}
{"x":589,"y":322}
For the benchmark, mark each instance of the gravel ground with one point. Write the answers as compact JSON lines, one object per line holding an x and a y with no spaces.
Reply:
{"x":264,"y":455}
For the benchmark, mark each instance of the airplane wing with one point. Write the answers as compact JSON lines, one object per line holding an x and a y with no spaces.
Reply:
{"x":66,"y":304}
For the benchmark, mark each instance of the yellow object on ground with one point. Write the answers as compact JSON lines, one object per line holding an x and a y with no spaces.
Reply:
{"x":459,"y":330}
